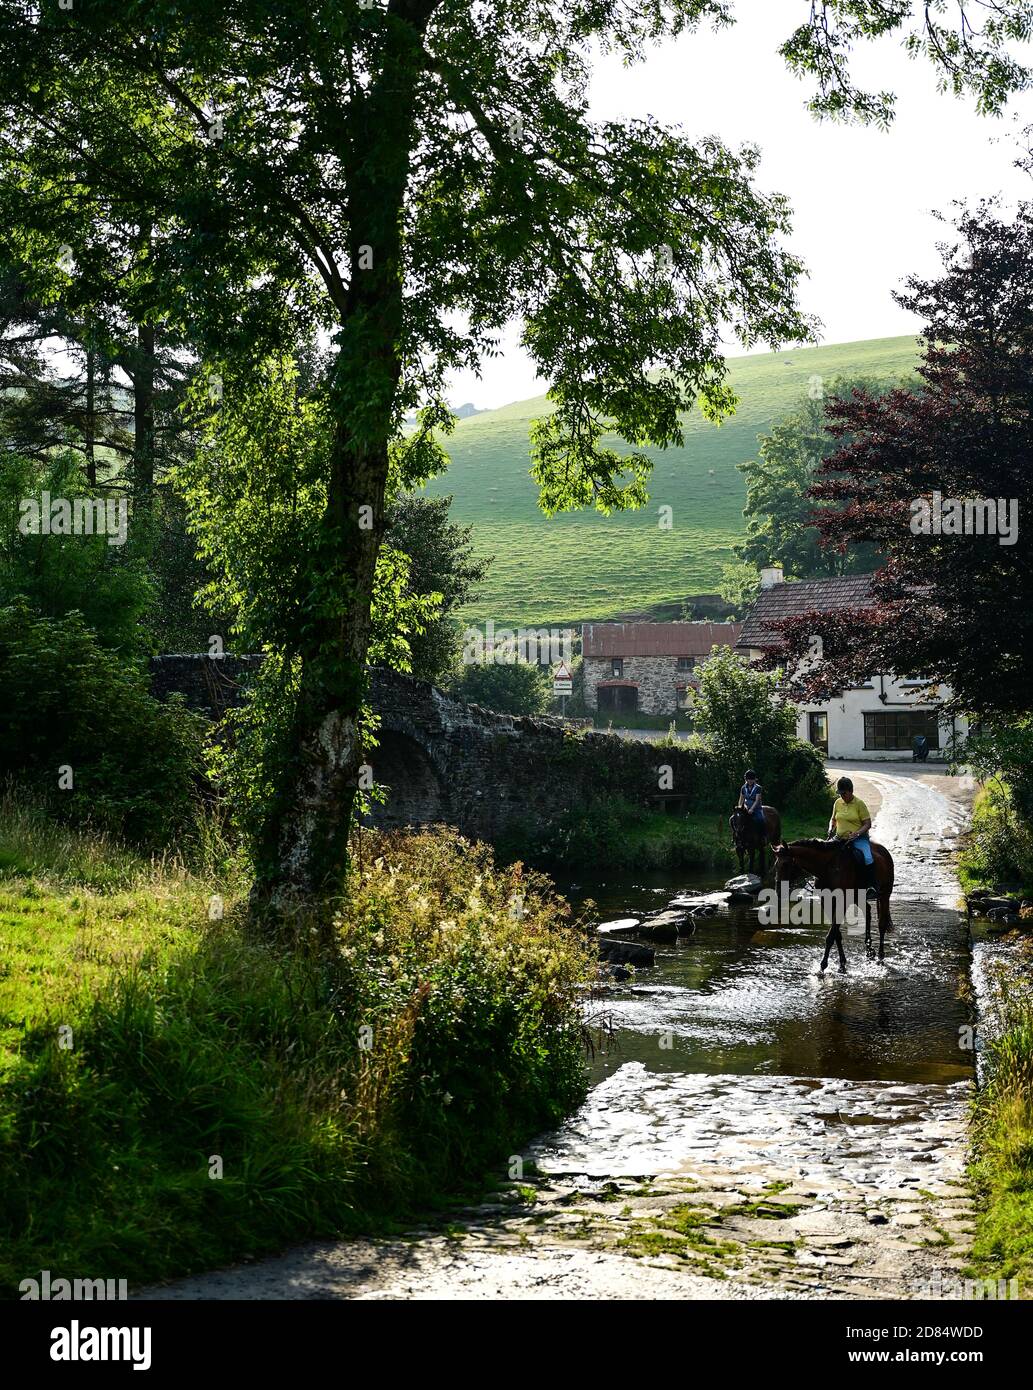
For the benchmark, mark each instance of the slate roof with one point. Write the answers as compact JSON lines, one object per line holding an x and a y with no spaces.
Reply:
{"x":786,"y":600}
{"x":656,"y":639}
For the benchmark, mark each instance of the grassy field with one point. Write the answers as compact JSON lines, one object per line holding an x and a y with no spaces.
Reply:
{"x":175,"y":1094}
{"x":584,"y":565}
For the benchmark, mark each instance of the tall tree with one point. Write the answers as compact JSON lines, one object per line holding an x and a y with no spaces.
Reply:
{"x":939,"y":479}
{"x":410,"y":175}
{"x":780,"y":510}
{"x":78,"y":372}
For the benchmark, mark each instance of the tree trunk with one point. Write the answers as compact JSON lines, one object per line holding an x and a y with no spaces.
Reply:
{"x":143,"y":426}
{"x":90,"y":431}
{"x":302,"y":851}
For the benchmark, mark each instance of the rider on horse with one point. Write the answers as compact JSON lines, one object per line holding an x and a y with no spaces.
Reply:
{"x":851,"y":821}
{"x":751,"y":798}
{"x":753,"y":825}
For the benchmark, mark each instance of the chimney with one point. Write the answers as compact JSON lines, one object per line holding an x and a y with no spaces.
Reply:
{"x":771,"y":575}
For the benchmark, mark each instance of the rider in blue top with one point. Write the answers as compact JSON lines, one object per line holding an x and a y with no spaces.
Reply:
{"x":751,"y":798}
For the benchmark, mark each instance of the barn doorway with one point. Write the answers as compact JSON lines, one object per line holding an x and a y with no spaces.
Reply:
{"x":617,"y":699}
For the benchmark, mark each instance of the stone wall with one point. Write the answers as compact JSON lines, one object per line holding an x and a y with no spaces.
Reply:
{"x":657,"y":678}
{"x":443,"y":761}
{"x":210,"y":685}
{"x":489,"y":773}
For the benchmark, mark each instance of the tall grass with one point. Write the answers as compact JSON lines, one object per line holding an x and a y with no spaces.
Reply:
{"x":1003,"y":1134}
{"x":999,"y":846}
{"x":33,"y":844}
{"x":176,"y":1093}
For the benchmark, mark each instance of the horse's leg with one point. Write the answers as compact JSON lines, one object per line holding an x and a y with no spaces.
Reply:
{"x":839,"y":947}
{"x":828,"y":946}
{"x":828,"y":941}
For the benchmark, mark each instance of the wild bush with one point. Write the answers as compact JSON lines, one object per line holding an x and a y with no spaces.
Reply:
{"x":84,"y":733}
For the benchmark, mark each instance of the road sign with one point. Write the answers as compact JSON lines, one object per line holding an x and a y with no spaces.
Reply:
{"x":562,"y":680}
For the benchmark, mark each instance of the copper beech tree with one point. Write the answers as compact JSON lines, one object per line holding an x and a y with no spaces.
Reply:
{"x":939,"y":477}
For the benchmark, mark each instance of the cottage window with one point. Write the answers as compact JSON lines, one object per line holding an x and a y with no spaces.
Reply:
{"x":686,"y":663}
{"x":617,"y":667}
{"x":896,"y":728}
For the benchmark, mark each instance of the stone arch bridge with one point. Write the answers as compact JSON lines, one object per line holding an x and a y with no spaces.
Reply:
{"x":443,"y":761}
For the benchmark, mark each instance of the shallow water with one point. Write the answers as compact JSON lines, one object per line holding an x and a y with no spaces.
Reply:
{"x":743,"y":997}
{"x":839,"y":1102}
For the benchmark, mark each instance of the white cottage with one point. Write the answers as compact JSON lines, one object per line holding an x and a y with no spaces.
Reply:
{"x":878,"y":720}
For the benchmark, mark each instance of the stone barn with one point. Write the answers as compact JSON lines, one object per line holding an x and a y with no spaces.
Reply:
{"x":647,"y":667}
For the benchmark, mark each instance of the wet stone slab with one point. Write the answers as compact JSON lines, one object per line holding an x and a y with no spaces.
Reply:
{"x":829,"y":1132}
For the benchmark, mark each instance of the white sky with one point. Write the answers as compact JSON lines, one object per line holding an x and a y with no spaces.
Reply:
{"x":862,"y":198}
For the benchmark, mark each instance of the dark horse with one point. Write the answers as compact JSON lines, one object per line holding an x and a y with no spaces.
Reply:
{"x":834,"y":865}
{"x":749,"y":836}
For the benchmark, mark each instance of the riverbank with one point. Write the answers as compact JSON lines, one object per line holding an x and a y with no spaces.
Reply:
{"x":1002,"y":1122}
{"x":998,"y":849}
{"x":176,"y":1095}
{"x":629,"y":838}
{"x":997,"y":856}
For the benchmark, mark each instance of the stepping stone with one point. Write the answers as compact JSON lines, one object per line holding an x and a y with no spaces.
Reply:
{"x":666,"y":926}
{"x":619,"y":924}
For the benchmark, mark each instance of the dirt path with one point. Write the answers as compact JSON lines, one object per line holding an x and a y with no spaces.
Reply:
{"x":673,"y":1185}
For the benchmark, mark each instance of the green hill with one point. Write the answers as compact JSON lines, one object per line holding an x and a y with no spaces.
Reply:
{"x":585,"y":565}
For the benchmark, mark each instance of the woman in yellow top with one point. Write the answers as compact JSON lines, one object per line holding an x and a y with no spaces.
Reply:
{"x":851,"y":821}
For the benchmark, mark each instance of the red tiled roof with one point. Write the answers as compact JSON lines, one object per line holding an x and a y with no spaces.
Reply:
{"x":656,"y":639}
{"x":786,"y":600}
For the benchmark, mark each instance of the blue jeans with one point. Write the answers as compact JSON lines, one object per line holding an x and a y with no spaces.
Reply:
{"x":864,"y":845}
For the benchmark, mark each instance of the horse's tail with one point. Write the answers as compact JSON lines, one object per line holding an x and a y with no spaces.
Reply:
{"x":772,"y":825}
{"x":891,"y":878}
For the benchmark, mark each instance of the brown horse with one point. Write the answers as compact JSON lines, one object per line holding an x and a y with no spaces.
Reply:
{"x":749,"y":836}
{"x":833,"y":865}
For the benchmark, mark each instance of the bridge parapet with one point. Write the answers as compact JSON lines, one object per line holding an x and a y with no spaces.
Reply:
{"x":445,"y":761}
